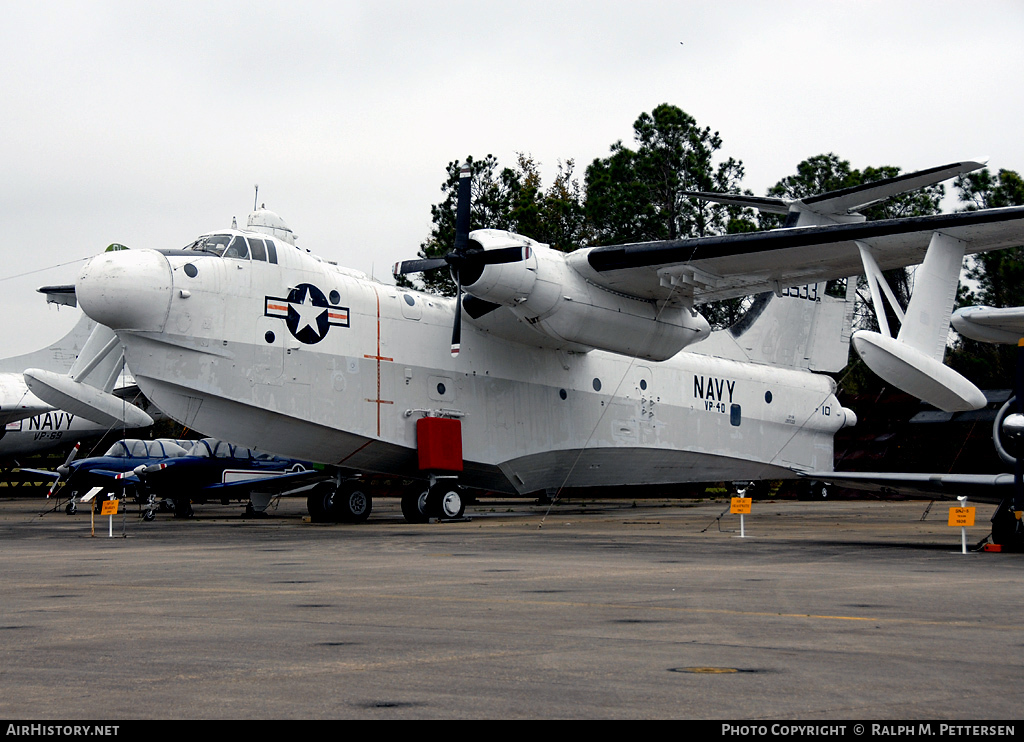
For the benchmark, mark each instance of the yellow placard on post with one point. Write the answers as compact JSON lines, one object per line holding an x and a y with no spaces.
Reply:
{"x":961,"y":517}
{"x":740,"y":505}
{"x":109,"y":507}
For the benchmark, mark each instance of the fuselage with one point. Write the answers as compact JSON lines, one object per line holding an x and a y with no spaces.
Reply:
{"x":46,"y":431}
{"x":307,"y":360}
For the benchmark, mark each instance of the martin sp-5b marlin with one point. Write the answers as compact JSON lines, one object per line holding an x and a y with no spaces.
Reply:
{"x":548,"y":370}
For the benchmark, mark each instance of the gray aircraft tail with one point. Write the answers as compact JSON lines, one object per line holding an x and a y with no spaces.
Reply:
{"x":801,"y":328}
{"x":58,"y":356}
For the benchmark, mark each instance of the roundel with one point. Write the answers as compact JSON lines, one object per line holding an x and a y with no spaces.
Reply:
{"x":307,"y":313}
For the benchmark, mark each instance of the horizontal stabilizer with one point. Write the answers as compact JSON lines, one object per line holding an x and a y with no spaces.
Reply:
{"x":88,"y":401}
{"x":849,"y":200}
{"x":845,"y":201}
{"x":60,"y":295}
{"x":766,"y":204}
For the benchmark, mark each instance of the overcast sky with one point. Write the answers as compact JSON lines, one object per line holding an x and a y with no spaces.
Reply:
{"x":150,"y":124}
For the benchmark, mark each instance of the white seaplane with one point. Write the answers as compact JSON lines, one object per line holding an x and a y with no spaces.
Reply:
{"x":579,"y":370}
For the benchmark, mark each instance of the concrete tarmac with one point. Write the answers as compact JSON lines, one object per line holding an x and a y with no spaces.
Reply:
{"x":828,"y":610}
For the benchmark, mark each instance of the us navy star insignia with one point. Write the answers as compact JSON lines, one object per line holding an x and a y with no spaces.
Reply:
{"x":307,"y":313}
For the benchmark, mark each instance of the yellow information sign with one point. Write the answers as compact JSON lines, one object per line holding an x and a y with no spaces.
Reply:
{"x":961,"y":517}
{"x":109,"y":507}
{"x":740,"y":505}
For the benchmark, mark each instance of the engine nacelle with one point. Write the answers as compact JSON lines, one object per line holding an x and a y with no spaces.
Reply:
{"x":554,"y":299}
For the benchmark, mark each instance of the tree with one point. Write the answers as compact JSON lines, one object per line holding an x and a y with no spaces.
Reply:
{"x":641,"y":195}
{"x":494,"y":194}
{"x":556,"y":216}
{"x":996,"y":280}
{"x":505,"y":198}
{"x":634,"y":196}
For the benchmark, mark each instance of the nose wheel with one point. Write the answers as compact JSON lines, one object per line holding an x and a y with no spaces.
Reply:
{"x":441,"y":500}
{"x":446,"y":501}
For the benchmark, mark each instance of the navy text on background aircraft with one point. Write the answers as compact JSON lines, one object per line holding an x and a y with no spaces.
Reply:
{"x":575,"y":370}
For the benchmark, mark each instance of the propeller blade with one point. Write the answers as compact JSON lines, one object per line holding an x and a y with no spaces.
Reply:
{"x":64,"y":469}
{"x":141,"y":470}
{"x":462,"y":211}
{"x":74,"y":454}
{"x":457,"y":326}
{"x":501,"y":256}
{"x":418,"y":266}
{"x":1018,"y":467}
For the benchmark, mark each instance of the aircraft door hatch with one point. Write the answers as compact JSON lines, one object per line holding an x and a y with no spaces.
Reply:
{"x":646,"y":394}
{"x":268,"y":353}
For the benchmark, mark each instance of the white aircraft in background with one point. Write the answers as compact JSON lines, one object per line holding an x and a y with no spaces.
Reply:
{"x":575,"y":370}
{"x":31,"y":425}
{"x":1004,"y":325}
{"x":16,"y":400}
{"x":47,"y":431}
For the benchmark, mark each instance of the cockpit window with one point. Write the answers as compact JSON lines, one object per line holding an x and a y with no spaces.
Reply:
{"x":235,"y":246}
{"x":211,"y":448}
{"x":211,"y":243}
{"x":238,"y":248}
{"x":259,"y":250}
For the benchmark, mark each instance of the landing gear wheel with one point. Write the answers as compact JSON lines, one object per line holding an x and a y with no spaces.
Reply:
{"x":148,"y":515}
{"x":351,"y":504}
{"x":445,"y":501}
{"x":320,"y":502}
{"x":183,"y":508}
{"x":71,"y":508}
{"x":1007,"y":531}
{"x":812,"y":490}
{"x":414,"y":504}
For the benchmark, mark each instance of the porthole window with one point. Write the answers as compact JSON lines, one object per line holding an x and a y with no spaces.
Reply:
{"x":563,"y":394}
{"x":335,"y":297}
{"x":269,"y":337}
{"x":643,"y":383}
{"x":191,"y":271}
{"x":441,"y":389}
{"x":408,"y":299}
{"x":597,"y":385}
{"x":768,"y":397}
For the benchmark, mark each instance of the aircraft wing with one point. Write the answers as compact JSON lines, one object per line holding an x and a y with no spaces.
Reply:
{"x":45,"y":473}
{"x":977,"y":487}
{"x":278,"y":484}
{"x":708,"y":269}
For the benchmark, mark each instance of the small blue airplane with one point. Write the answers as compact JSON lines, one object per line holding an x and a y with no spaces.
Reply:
{"x":179,"y":473}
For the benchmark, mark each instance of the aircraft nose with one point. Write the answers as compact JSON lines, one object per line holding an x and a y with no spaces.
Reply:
{"x":126,"y":290}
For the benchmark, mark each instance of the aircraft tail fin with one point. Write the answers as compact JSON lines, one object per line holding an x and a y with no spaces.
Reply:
{"x":59,"y":356}
{"x":802,"y":327}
